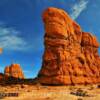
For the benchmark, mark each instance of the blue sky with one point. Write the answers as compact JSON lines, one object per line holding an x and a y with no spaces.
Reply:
{"x":22,"y":31}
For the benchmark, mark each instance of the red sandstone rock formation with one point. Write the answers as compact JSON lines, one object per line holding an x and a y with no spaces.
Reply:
{"x":14,"y":71}
{"x":71,"y":55}
{"x":1,"y":76}
{"x":1,"y":50}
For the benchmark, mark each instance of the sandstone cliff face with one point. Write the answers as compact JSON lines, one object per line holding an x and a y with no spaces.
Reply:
{"x":71,"y":55}
{"x":14,"y":70}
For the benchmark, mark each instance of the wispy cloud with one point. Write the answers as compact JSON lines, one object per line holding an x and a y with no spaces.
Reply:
{"x":78,"y":8}
{"x":10,"y":40}
{"x":27,"y":71}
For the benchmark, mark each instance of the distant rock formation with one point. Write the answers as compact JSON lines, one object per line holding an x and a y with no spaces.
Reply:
{"x":1,"y":50}
{"x":71,"y":55}
{"x":14,"y":70}
{"x":1,"y":76}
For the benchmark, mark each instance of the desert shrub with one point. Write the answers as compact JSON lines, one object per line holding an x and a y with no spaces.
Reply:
{"x":79,"y":92}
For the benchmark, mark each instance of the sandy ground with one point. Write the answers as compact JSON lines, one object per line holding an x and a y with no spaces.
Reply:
{"x":39,"y":92}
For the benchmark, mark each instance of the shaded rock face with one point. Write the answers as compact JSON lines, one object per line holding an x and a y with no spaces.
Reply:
{"x":1,"y":76}
{"x":71,"y":55}
{"x":14,"y":70}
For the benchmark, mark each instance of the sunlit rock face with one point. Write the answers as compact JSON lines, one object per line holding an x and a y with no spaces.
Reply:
{"x":70,"y":55}
{"x":14,"y":70}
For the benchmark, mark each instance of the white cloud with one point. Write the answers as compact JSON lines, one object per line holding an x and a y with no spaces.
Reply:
{"x":10,"y":40}
{"x":78,"y":8}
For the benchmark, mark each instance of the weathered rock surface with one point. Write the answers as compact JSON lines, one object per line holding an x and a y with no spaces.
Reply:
{"x":14,"y":70}
{"x":71,"y":55}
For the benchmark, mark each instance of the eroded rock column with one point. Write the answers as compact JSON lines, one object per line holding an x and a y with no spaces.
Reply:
{"x":65,"y":59}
